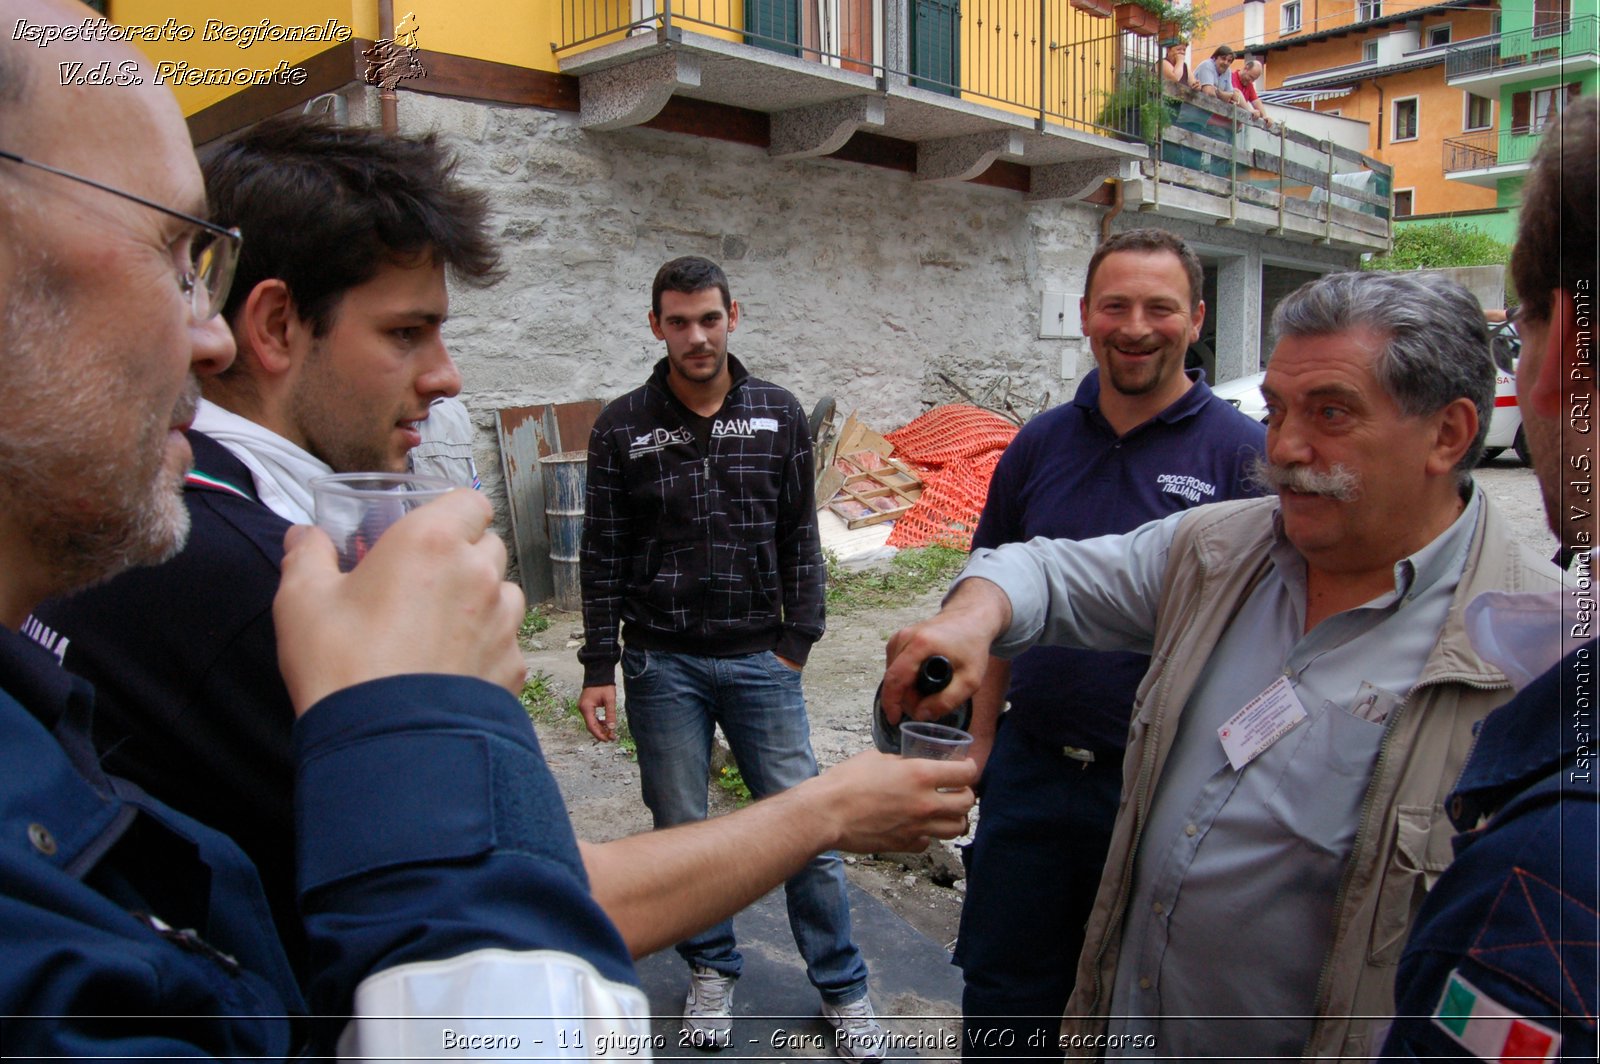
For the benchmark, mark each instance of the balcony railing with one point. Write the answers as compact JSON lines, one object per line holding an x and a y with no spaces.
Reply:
{"x":1507,"y":51}
{"x":1042,"y":58}
{"x":1045,"y":60}
{"x":1481,"y":151}
{"x":1206,"y":145}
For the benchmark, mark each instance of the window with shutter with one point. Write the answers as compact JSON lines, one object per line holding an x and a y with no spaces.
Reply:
{"x":1405,"y":120}
{"x":1479,"y":113}
{"x":773,"y":24}
{"x":935,"y":45}
{"x":1551,"y":17}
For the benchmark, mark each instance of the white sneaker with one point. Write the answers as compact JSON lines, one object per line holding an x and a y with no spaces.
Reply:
{"x":857,"y":1034}
{"x":708,"y":1010}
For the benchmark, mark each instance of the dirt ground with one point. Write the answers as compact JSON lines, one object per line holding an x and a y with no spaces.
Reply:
{"x":601,"y":784}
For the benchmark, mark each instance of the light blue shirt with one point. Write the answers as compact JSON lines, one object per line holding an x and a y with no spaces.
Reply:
{"x":1236,"y":872}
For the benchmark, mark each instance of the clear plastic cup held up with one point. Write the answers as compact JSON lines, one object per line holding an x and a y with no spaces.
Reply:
{"x":935,"y":742}
{"x":354,"y":509}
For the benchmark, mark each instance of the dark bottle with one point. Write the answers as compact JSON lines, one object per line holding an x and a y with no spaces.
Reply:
{"x":934,"y":676}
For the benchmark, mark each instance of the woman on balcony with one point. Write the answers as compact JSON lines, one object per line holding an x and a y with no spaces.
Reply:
{"x":1174,"y":68}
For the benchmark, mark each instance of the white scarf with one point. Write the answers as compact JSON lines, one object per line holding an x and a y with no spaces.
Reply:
{"x":282,"y":470}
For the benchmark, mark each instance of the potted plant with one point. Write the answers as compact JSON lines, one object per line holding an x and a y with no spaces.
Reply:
{"x":1097,"y":8}
{"x":1139,"y":17}
{"x":1189,"y":22}
{"x":1136,"y":106}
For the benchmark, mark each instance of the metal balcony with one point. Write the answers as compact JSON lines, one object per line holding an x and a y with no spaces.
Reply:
{"x":1042,"y":83}
{"x":1485,"y":63}
{"x":1484,"y":158}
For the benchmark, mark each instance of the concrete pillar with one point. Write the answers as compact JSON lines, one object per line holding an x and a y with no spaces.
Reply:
{"x":1255,"y":22}
{"x":1238,"y":314}
{"x":896,"y":57}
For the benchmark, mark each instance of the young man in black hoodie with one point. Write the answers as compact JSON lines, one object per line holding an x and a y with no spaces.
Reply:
{"x":700,"y":543}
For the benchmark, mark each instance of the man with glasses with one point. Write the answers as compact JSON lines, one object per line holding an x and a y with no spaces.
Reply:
{"x":434,"y":860}
{"x":112,"y":904}
{"x":337,"y":313}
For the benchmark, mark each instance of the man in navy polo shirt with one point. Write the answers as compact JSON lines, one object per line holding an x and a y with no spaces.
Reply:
{"x":1140,"y":440}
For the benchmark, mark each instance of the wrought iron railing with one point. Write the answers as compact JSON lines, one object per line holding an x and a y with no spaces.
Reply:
{"x":1052,"y":60}
{"x":1558,"y":39}
{"x":1480,"y":151}
{"x":1048,"y":59}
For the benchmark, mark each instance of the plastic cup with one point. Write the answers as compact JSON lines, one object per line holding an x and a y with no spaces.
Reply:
{"x":935,"y":742}
{"x":354,"y":509}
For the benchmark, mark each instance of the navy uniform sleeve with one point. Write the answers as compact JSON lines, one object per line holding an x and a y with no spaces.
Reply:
{"x":1508,"y":935}
{"x":1001,"y":519}
{"x":429,"y":828}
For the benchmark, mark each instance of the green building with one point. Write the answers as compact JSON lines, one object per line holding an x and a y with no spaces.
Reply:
{"x":1543,"y":54}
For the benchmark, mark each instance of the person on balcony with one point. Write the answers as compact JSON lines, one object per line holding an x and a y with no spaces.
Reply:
{"x":1244,"y":83}
{"x":1174,"y":67}
{"x":1211,"y":77}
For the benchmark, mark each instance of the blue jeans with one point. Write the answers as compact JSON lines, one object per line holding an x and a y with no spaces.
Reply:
{"x":1044,"y":826}
{"x":673,"y":703}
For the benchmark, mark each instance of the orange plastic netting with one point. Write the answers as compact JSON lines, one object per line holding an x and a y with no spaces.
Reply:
{"x":955,"y":449}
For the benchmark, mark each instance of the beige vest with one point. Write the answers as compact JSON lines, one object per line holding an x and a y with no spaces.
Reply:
{"x":1403,"y":841}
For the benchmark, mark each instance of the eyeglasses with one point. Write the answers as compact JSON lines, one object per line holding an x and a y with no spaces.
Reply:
{"x":212,"y":256}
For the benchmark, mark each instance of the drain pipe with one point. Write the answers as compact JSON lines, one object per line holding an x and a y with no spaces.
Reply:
{"x":1116,"y":209}
{"x":388,"y":99}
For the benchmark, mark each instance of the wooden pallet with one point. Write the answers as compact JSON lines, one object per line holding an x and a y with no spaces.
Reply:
{"x":874,"y":489}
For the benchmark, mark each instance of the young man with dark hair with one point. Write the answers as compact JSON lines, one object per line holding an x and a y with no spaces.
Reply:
{"x":700,"y":543}
{"x":338,"y":361}
{"x":1141,"y":439}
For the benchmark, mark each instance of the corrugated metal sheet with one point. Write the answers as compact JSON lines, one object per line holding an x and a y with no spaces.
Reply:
{"x":527,"y":434}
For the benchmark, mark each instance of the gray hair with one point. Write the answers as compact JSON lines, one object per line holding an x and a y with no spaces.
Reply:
{"x":1438,"y":342}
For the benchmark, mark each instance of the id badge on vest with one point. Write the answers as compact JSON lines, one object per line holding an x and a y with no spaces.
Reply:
{"x":1265,"y":719}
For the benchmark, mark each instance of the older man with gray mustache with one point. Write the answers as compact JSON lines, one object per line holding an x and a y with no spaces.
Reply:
{"x":1312,"y":692}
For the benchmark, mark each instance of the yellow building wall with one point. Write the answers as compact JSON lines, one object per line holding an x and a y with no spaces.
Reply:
{"x":181,"y":48}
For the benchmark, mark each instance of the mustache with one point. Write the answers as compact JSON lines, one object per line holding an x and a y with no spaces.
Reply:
{"x":183,"y":411}
{"x":1340,"y":482}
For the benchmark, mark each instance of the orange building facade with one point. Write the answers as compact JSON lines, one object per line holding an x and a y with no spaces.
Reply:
{"x":1382,"y":63}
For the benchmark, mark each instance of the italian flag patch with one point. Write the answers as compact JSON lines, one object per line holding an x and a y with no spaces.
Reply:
{"x":1488,"y":1029}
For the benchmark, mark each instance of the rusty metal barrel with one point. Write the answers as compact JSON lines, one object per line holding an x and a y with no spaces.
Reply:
{"x":565,"y":476}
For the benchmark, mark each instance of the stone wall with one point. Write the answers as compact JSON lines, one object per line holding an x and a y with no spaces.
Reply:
{"x":854,"y":281}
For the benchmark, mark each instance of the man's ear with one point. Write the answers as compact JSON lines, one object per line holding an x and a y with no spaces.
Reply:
{"x":733,"y":314}
{"x":1457,"y":428}
{"x":270,"y":328}
{"x":655,"y":326}
{"x":1559,"y":370}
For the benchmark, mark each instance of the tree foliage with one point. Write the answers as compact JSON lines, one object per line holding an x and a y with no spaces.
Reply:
{"x":1427,"y":247}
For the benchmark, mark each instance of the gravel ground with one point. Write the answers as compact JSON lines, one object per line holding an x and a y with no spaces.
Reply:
{"x":601,"y":784}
